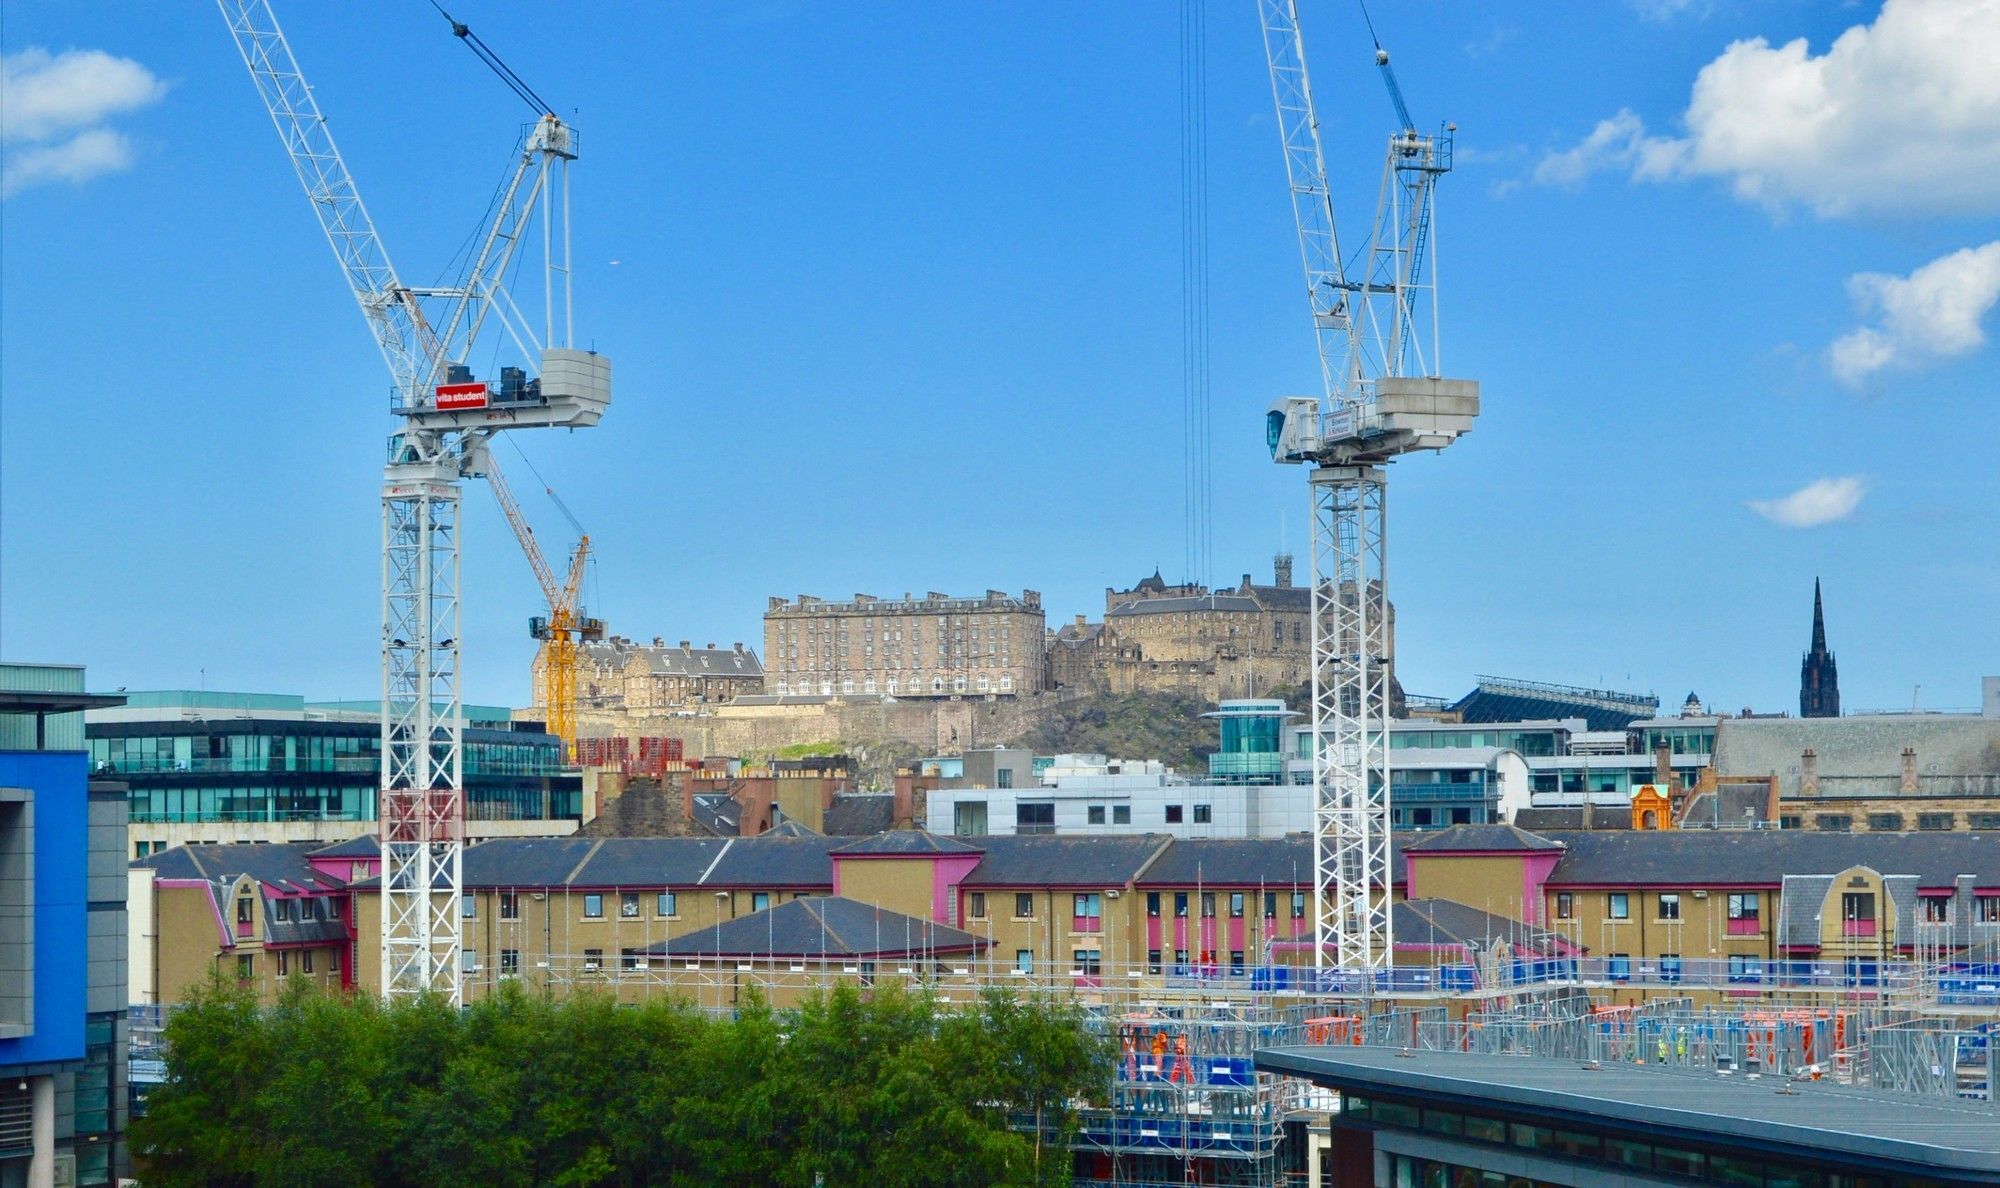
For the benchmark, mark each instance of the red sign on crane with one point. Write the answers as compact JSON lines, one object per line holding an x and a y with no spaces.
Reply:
{"x":456,"y":396}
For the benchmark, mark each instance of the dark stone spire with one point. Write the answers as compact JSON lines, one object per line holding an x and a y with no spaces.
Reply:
{"x":1819,"y":679}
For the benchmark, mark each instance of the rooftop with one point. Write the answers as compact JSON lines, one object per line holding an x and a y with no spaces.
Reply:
{"x":1924,"y":1136}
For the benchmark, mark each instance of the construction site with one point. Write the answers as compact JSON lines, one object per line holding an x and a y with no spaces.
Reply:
{"x":1185,"y":1101}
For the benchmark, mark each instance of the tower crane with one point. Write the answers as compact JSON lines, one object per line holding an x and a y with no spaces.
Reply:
{"x":564,"y":626}
{"x":446,"y":416}
{"x":1383,"y":396}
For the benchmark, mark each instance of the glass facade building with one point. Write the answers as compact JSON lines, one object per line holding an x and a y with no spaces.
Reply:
{"x":259,"y":758}
{"x":1253,"y":742}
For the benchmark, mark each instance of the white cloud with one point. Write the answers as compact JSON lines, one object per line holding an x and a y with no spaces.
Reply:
{"x":1933,"y":313}
{"x":52,"y":111}
{"x":1822,"y":501}
{"x":1900,"y":117}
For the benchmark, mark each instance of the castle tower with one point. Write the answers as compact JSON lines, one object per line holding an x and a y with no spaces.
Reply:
{"x":1819,"y":680}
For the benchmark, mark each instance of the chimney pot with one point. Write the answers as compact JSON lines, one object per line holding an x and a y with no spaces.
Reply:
{"x":687,"y":645}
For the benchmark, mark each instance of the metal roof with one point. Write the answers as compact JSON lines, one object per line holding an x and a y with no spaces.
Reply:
{"x":1818,"y":1120}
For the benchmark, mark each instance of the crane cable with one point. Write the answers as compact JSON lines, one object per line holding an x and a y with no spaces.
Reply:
{"x":501,"y":70}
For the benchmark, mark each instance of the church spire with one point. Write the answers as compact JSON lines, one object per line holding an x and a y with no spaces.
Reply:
{"x":1819,"y":679}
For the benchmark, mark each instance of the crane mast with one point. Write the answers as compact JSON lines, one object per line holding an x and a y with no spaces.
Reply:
{"x":1380,"y":398}
{"x":444,"y":425}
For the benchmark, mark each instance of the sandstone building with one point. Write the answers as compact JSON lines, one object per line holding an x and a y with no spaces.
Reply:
{"x":1242,"y":641}
{"x":934,"y":646}
{"x":617,"y":677}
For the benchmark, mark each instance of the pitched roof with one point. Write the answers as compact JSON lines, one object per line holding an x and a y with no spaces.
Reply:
{"x":1715,"y":857}
{"x":905,"y":842}
{"x":1183,"y":603}
{"x":818,"y":927}
{"x":1447,"y":922}
{"x":523,"y":861}
{"x":1541,"y":820}
{"x":767,"y":863}
{"x":698,"y":662}
{"x":1052,"y":861}
{"x":1249,"y":862}
{"x":282,"y":866}
{"x":647,"y":862}
{"x":859,"y":814}
{"x":1489,"y":838}
{"x":790,"y":829}
{"x":365,"y":846}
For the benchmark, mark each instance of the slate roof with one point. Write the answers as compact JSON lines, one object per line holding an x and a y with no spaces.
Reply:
{"x":822,"y":926}
{"x":1541,"y":820}
{"x":1053,"y":861}
{"x":282,"y":866}
{"x":647,"y":862}
{"x":1673,"y":857}
{"x":766,"y":863}
{"x":1249,"y":862}
{"x":698,"y":662}
{"x":1461,"y":838}
{"x":905,"y":842}
{"x":523,"y":861}
{"x":860,"y":814}
{"x":790,"y":829}
{"x":365,"y":846}
{"x":1865,"y":745}
{"x":1448,"y":922}
{"x":1730,"y":806}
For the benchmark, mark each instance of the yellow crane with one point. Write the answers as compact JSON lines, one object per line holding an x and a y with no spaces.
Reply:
{"x":564,"y":627}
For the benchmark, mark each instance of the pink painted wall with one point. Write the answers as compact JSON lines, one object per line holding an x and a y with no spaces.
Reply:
{"x":947,"y":872}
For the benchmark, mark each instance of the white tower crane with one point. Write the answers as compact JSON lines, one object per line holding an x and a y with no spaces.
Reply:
{"x":446,"y":417}
{"x":1383,"y":397}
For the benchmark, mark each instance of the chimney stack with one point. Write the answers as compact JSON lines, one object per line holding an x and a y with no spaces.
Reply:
{"x":1809,"y":772}
{"x":687,"y":645}
{"x":1663,"y":765}
{"x":1909,"y":771}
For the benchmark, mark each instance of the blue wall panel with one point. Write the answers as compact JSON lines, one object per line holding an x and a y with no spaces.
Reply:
{"x":60,"y":780}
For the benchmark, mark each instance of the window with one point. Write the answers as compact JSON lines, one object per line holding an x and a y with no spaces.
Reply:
{"x":1094,"y":814}
{"x":1024,"y":960}
{"x":593,"y":960}
{"x":1236,"y":961}
{"x":977,"y":905}
{"x":1086,"y":912}
{"x":1208,"y":905}
{"x":468,"y":907}
{"x":246,"y":967}
{"x":1618,"y":967}
{"x":1236,"y":905}
{"x":284,"y":963}
{"x":1180,"y":905}
{"x":1204,"y":814}
{"x":1152,"y":961}
{"x":1173,"y":814}
{"x":1833,"y":822}
{"x":468,"y":960}
{"x":1088,"y":962}
{"x":1670,"y":905}
{"x":1618,"y":906}
{"x":1982,"y":821}
{"x":1885,"y":822}
{"x":510,"y":905}
{"x":1565,"y":906}
{"x":332,"y":909}
{"x":283,"y":910}
{"x":306,"y":961}
{"x":628,"y":905}
{"x":1024,"y":906}
{"x":510,"y":963}
{"x":1857,"y":913}
{"x":1936,"y":908}
{"x":629,"y":959}
{"x":1745,"y":913}
{"x":1270,"y":905}
{"x":760,"y":900}
{"x":1670,"y":967}
{"x":1121,"y":814}
{"x":593,"y":906}
{"x":1035,"y":818}
{"x":1745,"y":969}
{"x":1934,"y":822}
{"x":1004,"y":778}
{"x":1298,"y":905}
{"x":243,"y":910}
{"x":667,"y":904}
{"x":1790,"y":821}
{"x":1153,"y":905}
{"x":1986,"y":909}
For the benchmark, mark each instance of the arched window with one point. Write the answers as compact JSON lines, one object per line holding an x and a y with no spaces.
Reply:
{"x":937,"y":684}
{"x":985,"y":683}
{"x":1006,"y":684}
{"x":892,"y":686}
{"x":958,"y":684}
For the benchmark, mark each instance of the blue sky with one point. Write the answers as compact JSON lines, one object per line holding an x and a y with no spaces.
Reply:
{"x":896,"y":306}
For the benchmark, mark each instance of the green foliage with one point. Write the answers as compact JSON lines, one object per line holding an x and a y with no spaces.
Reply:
{"x":1164,"y":726}
{"x":883,"y":1090}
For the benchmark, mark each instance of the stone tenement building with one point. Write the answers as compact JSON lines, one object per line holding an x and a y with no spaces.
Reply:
{"x":934,"y":646}
{"x":1234,"y":642}
{"x":617,"y":677}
